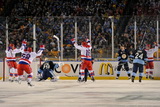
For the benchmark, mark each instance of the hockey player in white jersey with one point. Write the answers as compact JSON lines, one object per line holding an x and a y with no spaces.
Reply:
{"x":11,"y":59}
{"x":25,"y":61}
{"x":150,"y":64}
{"x":86,"y":59}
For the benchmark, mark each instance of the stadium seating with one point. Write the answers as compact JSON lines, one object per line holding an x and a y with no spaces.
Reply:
{"x":48,"y":15}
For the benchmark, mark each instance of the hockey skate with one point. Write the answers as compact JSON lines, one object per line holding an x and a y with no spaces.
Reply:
{"x":82,"y":80}
{"x":79,"y":79}
{"x":129,"y":76}
{"x":29,"y":84}
{"x":54,"y":80}
{"x":18,"y":81}
{"x":40,"y":79}
{"x":117,"y":78}
{"x":140,"y":79}
{"x":92,"y":78}
{"x":146,"y":76}
{"x":11,"y":80}
{"x":151,"y":77}
{"x":132,"y":79}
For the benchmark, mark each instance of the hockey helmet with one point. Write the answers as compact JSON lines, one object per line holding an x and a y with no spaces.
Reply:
{"x":28,"y":49}
{"x":12,"y":46}
{"x":148,"y":45}
{"x":84,"y":44}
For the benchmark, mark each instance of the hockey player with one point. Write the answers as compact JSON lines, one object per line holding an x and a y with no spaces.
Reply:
{"x":25,"y":61}
{"x":11,"y":60}
{"x":150,"y":64}
{"x":46,"y":71}
{"x":123,"y":55}
{"x":86,"y":72}
{"x":85,"y":58}
{"x":139,"y":60}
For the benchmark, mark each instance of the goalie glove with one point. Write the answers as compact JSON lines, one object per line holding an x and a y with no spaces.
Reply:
{"x":73,"y":40}
{"x":40,"y":71}
{"x":87,"y":40}
{"x":42,"y":47}
{"x":56,"y":65}
{"x":24,"y":42}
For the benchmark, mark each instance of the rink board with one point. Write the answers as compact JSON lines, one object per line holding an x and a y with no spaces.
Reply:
{"x":70,"y":70}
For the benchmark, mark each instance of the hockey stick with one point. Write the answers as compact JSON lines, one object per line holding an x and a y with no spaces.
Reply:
{"x":143,"y":38}
{"x":54,"y":36}
{"x":71,"y":75}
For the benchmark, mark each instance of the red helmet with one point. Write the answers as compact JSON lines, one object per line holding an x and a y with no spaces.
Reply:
{"x":148,"y":45}
{"x":29,"y":49}
{"x":11,"y":45}
{"x":84,"y":44}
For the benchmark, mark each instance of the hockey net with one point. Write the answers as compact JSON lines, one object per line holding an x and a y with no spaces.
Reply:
{"x":34,"y":65}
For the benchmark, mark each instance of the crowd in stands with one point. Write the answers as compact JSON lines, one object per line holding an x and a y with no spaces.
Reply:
{"x":47,"y":25}
{"x":49,"y":14}
{"x":68,"y":7}
{"x":147,"y":7}
{"x":1,"y":6}
{"x":145,"y":14}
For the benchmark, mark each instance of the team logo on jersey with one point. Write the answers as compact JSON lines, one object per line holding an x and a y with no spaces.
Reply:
{"x":46,"y":66}
{"x":107,"y":67}
{"x":124,"y":56}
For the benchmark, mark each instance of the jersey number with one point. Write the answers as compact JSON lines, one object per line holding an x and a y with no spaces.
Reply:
{"x":88,"y":52}
{"x":139,"y":56}
{"x":26,"y":56}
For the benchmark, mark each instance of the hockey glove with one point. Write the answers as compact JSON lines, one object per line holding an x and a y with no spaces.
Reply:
{"x":24,"y":42}
{"x":9,"y":48}
{"x":73,"y":40}
{"x":155,"y":44}
{"x":87,"y":40}
{"x":131,"y":60}
{"x":42,"y":47}
{"x":145,"y":62}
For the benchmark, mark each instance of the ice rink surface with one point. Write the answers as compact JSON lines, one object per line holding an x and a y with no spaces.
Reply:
{"x":70,"y":93}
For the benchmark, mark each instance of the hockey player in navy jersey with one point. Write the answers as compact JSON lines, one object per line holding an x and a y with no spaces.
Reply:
{"x":139,"y":60}
{"x":123,"y":55}
{"x":46,"y":71}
